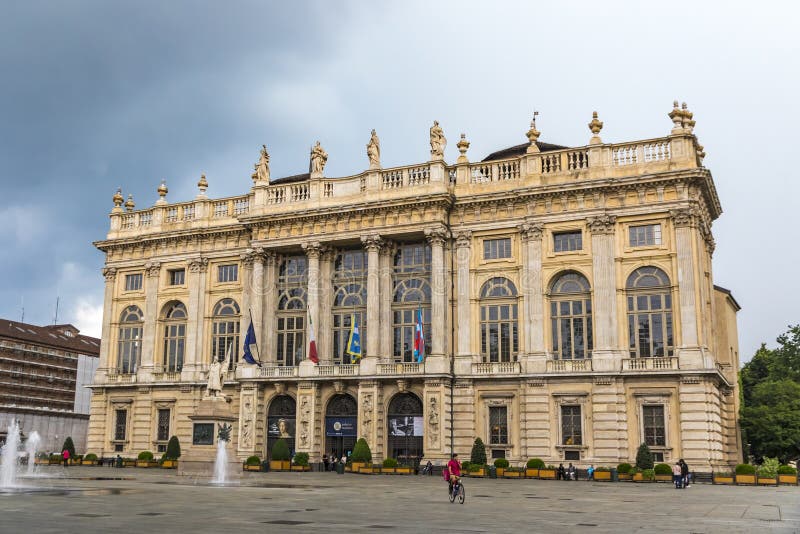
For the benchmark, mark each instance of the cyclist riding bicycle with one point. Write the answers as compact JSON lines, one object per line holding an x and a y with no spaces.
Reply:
{"x":454,"y":469}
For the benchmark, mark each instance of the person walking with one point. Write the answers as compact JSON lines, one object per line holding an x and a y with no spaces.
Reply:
{"x":677,"y":475}
{"x":684,"y":473}
{"x":590,"y":473}
{"x":560,"y":472}
{"x":65,"y":456}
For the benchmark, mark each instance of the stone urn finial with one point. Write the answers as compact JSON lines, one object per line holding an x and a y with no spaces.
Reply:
{"x":595,"y":126}
{"x":533,"y":135}
{"x":463,"y":146}
{"x":129,"y":205}
{"x":162,"y":192}
{"x":118,"y":199}
{"x":202,"y":185}
{"x":677,"y":118}
{"x":688,"y":123}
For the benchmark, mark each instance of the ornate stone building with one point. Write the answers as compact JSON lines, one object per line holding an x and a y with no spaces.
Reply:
{"x":567,"y":298}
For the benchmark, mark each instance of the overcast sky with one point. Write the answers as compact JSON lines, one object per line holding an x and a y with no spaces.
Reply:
{"x":96,"y":95}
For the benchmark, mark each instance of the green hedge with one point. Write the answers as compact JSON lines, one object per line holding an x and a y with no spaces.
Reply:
{"x":662,"y":469}
{"x":648,"y":474}
{"x":253,"y":460}
{"x":769,"y":468}
{"x":474,"y":468}
{"x":91,"y":457}
{"x":501,"y":462}
{"x":604,"y":469}
{"x":280,"y":451}
{"x":146,"y":456}
{"x":624,"y":468}
{"x":787,"y":470}
{"x":301,"y":458}
{"x":745,"y":469}
{"x":390,"y":463}
{"x":535,"y":463}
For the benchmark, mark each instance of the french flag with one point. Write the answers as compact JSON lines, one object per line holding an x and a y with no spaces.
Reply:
{"x":419,"y":338}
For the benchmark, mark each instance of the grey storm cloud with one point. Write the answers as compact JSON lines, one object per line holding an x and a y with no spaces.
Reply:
{"x":100,"y":95}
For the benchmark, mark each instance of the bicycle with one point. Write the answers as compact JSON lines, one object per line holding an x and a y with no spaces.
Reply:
{"x":458,"y":491}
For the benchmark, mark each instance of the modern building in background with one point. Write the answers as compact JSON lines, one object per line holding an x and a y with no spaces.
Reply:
{"x":566,"y":299}
{"x":44,"y":371}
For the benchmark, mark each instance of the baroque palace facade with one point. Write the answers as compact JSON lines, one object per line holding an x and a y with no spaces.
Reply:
{"x":567,"y":298}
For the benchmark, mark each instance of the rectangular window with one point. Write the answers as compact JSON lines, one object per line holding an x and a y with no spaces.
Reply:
{"x":571,"y":431}
{"x":567,"y":241}
{"x":654,"y":427}
{"x":644,"y":235}
{"x":494,"y":249}
{"x":163,"y":425}
{"x":133,"y":282}
{"x":498,"y":425}
{"x":227,"y":273}
{"x":120,"y":425}
{"x":177,"y":277}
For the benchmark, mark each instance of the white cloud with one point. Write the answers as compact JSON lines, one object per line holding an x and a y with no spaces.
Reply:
{"x":23,"y":224}
{"x":87,"y":315}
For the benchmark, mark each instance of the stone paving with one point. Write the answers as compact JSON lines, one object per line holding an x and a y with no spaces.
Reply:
{"x":92,"y":499}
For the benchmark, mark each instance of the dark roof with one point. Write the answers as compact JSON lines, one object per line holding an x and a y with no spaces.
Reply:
{"x":52,"y":336}
{"x":519,"y":150}
{"x":730,"y":295}
{"x":291,"y":179}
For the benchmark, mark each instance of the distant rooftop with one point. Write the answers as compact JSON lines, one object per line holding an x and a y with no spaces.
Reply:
{"x":62,"y":336}
{"x":519,"y":150}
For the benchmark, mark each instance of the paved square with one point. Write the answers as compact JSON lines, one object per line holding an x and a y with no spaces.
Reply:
{"x":154,"y":500}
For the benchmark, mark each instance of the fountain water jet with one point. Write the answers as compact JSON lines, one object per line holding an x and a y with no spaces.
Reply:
{"x":221,"y":463}
{"x":31,"y":446}
{"x":10,"y":454}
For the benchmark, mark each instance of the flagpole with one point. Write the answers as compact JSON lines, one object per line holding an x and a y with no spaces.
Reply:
{"x":255,"y":341}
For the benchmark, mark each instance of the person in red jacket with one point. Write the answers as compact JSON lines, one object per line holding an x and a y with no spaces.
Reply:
{"x":65,"y":456}
{"x":454,"y":469}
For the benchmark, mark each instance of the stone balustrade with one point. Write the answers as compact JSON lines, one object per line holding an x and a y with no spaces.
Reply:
{"x":569,"y":366}
{"x":336,"y":370}
{"x":649,"y":364}
{"x":400,"y":369}
{"x":496,"y":368}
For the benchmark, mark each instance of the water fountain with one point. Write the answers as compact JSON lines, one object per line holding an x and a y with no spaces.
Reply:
{"x":31,"y":447}
{"x":221,"y":461}
{"x":10,"y":454}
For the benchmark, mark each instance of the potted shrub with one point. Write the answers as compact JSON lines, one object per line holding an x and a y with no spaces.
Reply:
{"x":648,"y":475}
{"x":745,"y":475}
{"x":533,"y":466}
{"x":768,"y":472}
{"x":663,"y":473}
{"x":723,"y":477}
{"x":501,"y":464}
{"x":602,"y":474}
{"x":361,"y":457}
{"x":89,"y":459}
{"x":787,"y":475}
{"x":280,"y":456}
{"x":624,"y":471}
{"x":644,"y":458}
{"x":253,"y":463}
{"x":145,"y":459}
{"x":170,"y":459}
{"x":300,"y":462}
{"x":477,"y":470}
{"x":548,"y":473}
{"x":478,"y":454}
{"x":55,"y":459}
{"x":389,"y":466}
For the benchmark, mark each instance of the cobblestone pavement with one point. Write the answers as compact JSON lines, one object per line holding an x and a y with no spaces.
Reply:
{"x":91,"y":499}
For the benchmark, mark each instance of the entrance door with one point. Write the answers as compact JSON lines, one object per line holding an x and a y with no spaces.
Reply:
{"x":341,"y":416}
{"x":405,"y":429}
{"x":281,"y":417}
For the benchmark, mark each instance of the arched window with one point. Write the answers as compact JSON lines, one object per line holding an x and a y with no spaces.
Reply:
{"x":225,"y":331}
{"x":349,"y":301}
{"x":499,"y":322}
{"x":292,"y":309}
{"x":412,"y":292}
{"x":649,"y":313}
{"x":405,"y":428}
{"x":130,"y":338}
{"x":281,"y":418}
{"x":571,"y":317}
{"x":173,"y":319}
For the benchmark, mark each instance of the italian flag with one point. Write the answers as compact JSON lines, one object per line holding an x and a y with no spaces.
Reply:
{"x":312,"y":341}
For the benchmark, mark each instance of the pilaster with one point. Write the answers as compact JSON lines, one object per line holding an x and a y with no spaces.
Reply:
{"x":152,"y":273}
{"x":248,"y":404}
{"x":685,"y":221}
{"x":267,"y":338}
{"x":313,"y":251}
{"x":609,"y":421}
{"x":435,"y":360}
{"x":194,"y":361}
{"x":110,"y":275}
{"x":464,"y":354}
{"x":325,"y":331}
{"x":368,"y":395}
{"x":606,"y":354}
{"x":535,"y":358}
{"x":372,"y":243}
{"x":434,"y":404}
{"x":386,"y":293}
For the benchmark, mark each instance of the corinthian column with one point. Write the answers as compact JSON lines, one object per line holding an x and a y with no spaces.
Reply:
{"x":606,"y":355}
{"x":685,"y":222}
{"x":152,"y":272}
{"x":195,"y":309}
{"x":387,"y":293}
{"x":372,"y":243}
{"x":436,"y":237}
{"x":248,"y":259}
{"x":313,"y":251}
{"x":267,"y":339}
{"x":110,"y":274}
{"x":463,"y":319}
{"x":533,"y":297}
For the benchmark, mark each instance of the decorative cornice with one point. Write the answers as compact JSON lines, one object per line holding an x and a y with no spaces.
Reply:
{"x":601,"y":224}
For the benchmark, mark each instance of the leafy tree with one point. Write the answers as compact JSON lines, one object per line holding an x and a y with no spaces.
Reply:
{"x":478,"y":454}
{"x":361,"y":452}
{"x":173,"y":449}
{"x":644,"y":458}
{"x":69,"y":446}
{"x":280,"y":451}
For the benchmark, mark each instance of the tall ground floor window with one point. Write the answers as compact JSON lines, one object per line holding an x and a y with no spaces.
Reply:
{"x":498,"y":425}
{"x":405,"y":429}
{"x":571,"y":430}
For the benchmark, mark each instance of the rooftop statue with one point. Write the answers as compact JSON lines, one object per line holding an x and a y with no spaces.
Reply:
{"x":374,"y":151}
{"x":262,"y":167}
{"x":438,"y":141}
{"x":318,"y":159}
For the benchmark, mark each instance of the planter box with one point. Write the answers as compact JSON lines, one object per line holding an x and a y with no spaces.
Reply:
{"x":404,"y":470}
{"x":279,"y":465}
{"x":355,"y":467}
{"x":246,"y":467}
{"x":663,"y":478}
{"x":146,"y":463}
{"x":500,"y":471}
{"x":724,"y":479}
{"x":785,"y":480}
{"x":367,"y":469}
{"x":88,"y":462}
{"x":53,"y":461}
{"x":746,"y":480}
{"x":388,"y":470}
{"x":301,"y":468}
{"x":602,"y":476}
{"x":512,"y":474}
{"x":128,"y":463}
{"x":480,"y":473}
{"x":531,"y":472}
{"x":767,"y":481}
{"x":547,"y":474}
{"x":639,"y":477}
{"x":621,"y":476}
{"x":169,"y":464}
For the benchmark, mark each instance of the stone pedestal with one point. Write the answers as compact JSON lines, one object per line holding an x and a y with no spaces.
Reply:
{"x":198,"y":460}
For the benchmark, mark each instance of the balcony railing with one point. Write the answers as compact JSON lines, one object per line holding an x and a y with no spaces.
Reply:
{"x":120,"y":378}
{"x":649,"y":364}
{"x":277,"y":371}
{"x":568,"y":366}
{"x":401,"y":369}
{"x":336,"y":370}
{"x":495,"y":368}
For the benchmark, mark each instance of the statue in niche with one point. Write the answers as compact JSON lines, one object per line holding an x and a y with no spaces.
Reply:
{"x":374,"y":151}
{"x":262,"y":167}
{"x":217,"y":372}
{"x":438,"y":141}
{"x":318,"y":159}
